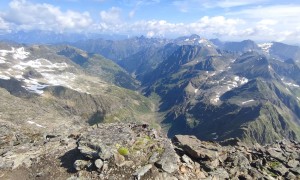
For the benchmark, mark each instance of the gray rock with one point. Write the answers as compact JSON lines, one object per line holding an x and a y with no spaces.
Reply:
{"x":255,"y":174}
{"x":220,"y":173}
{"x":292,"y":163}
{"x":296,"y":170}
{"x":154,"y":157}
{"x":239,"y":160}
{"x":187,"y":160}
{"x":164,"y":176}
{"x":279,"y":169}
{"x":290,"y":176}
{"x":88,"y":152}
{"x":196,"y":148}
{"x":119,"y":159}
{"x":80,"y":164}
{"x":105,"y":167}
{"x":142,"y":171}
{"x":99,"y":163}
{"x":169,"y":159}
{"x":276,"y":153}
{"x":105,"y":153}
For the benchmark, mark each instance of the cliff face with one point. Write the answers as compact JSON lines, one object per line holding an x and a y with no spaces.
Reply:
{"x":136,"y":151}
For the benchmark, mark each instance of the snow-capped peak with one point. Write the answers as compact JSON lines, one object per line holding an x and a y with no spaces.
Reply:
{"x":265,"y":47}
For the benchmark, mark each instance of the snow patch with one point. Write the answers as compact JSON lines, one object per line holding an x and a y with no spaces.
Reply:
{"x":2,"y":60}
{"x":269,"y":67}
{"x":217,"y":98}
{"x":196,"y":90}
{"x":34,"y":123}
{"x":236,"y":78}
{"x":291,"y":84}
{"x":44,"y":64}
{"x":17,"y":53}
{"x":32,"y":85}
{"x":298,"y":98}
{"x":4,"y":77}
{"x":245,"y":102}
{"x":59,"y":80}
{"x":20,"y":53}
{"x":19,"y":77}
{"x":265,"y":47}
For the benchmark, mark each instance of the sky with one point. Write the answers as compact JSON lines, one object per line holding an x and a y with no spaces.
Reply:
{"x":259,"y":20}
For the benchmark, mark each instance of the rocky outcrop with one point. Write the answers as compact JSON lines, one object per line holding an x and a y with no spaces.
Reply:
{"x":136,"y":151}
{"x":236,"y":160}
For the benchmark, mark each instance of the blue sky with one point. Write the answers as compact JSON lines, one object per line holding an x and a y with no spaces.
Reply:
{"x":260,"y":20}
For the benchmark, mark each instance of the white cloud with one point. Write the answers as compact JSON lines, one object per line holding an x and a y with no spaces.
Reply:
{"x":112,"y":16}
{"x":4,"y":26}
{"x":263,"y":23}
{"x":187,"y":5}
{"x":216,"y":26}
{"x":131,"y":13}
{"x":270,"y":12}
{"x":236,"y":3}
{"x":271,"y":23}
{"x":27,"y":15}
{"x":206,"y":26}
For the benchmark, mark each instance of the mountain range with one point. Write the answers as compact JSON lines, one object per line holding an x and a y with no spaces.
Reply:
{"x":190,"y":85}
{"x":217,"y":90}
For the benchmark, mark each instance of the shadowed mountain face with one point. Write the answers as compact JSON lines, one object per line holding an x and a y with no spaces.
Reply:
{"x":217,"y":94}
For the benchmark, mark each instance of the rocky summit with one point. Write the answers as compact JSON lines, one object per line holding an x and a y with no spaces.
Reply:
{"x":137,"y":151}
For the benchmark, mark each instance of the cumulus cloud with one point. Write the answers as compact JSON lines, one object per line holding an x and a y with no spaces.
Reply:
{"x":26,"y":15}
{"x":273,"y":23}
{"x":206,"y":26}
{"x":111,"y":16}
{"x":261,"y":23}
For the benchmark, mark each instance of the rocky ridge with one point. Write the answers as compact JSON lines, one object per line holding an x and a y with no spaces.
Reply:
{"x":136,"y":151}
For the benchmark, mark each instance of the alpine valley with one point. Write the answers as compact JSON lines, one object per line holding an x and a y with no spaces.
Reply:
{"x":112,"y":102}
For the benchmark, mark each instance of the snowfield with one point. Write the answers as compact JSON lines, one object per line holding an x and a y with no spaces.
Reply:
{"x":51,"y":71}
{"x":265,"y":47}
{"x":16,"y":53}
{"x":245,"y":102}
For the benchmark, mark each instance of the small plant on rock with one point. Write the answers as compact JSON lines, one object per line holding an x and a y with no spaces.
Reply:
{"x":123,"y":151}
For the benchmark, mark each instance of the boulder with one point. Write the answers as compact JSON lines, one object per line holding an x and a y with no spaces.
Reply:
{"x":169,"y":159}
{"x":219,"y":173}
{"x":99,"y":164}
{"x":196,"y":148}
{"x":80,"y":164}
{"x":276,"y":154}
{"x":142,"y":171}
{"x":292,"y":163}
{"x":154,"y":157}
{"x":296,"y":170}
{"x":279,"y":169}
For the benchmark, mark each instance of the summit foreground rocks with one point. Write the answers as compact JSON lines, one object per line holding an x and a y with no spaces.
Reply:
{"x":136,"y":151}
